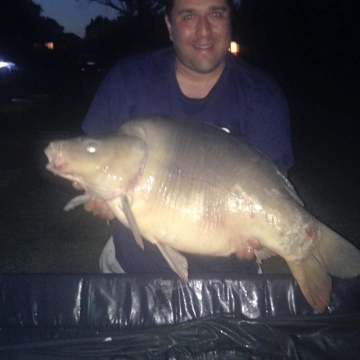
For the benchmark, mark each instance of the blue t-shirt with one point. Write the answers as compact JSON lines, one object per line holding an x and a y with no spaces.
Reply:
{"x":245,"y":100}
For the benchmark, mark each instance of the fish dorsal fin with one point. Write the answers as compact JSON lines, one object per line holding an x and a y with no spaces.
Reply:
{"x":289,"y":187}
{"x":176,"y":261}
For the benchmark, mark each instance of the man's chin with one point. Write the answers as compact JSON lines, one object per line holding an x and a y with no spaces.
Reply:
{"x":208,"y":67}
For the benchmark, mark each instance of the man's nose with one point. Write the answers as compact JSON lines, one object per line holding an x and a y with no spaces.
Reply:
{"x":203,"y":26}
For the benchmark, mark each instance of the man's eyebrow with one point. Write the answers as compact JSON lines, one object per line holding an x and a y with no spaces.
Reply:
{"x":185,"y":11}
{"x":219,"y":8}
{"x":212,"y":8}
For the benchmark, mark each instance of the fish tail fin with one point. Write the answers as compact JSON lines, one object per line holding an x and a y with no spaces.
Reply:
{"x":340,"y":257}
{"x":333,"y":255}
{"x":314,"y":281}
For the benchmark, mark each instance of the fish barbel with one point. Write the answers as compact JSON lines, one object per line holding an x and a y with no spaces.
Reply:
{"x":190,"y":187}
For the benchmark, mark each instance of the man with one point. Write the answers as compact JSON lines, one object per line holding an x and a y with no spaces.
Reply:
{"x":196,"y":78}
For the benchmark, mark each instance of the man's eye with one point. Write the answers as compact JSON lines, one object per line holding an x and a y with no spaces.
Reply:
{"x":217,"y":14}
{"x":187,"y":17}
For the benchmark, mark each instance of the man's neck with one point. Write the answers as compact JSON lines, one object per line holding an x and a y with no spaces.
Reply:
{"x":195,"y":85}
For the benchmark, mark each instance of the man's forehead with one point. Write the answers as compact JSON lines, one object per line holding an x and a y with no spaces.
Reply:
{"x":201,"y":4}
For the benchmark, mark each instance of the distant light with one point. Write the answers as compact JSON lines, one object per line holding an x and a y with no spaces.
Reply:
{"x":234,"y":48}
{"x":6,"y":64}
{"x":49,"y":45}
{"x":225,"y":129}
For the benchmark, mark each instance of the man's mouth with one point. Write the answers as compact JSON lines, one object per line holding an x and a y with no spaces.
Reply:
{"x":203,"y":47}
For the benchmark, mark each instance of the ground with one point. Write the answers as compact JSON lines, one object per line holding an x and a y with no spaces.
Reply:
{"x":38,"y":236}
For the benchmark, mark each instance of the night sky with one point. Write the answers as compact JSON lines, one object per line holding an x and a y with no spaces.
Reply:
{"x":73,"y":15}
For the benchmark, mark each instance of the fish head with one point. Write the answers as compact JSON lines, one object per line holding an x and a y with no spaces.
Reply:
{"x":105,"y":167}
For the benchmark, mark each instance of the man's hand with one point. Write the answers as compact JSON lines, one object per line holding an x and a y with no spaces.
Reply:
{"x":97,"y":206}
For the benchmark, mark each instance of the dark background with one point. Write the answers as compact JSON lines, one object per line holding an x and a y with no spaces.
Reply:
{"x":310,"y":47}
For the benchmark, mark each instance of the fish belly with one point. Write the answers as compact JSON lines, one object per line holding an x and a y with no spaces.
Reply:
{"x":199,"y":222}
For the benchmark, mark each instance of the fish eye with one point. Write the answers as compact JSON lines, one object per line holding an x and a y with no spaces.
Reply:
{"x":91,"y":147}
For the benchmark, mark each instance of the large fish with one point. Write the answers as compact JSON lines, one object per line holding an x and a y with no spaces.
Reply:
{"x":191,"y":187}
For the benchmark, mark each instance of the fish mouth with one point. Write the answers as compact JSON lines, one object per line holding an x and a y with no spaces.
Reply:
{"x":57,"y":163}
{"x":57,"y":168}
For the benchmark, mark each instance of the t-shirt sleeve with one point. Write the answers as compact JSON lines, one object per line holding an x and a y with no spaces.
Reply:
{"x":271,"y":133}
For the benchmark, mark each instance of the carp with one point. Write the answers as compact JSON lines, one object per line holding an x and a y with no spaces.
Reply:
{"x":191,"y":187}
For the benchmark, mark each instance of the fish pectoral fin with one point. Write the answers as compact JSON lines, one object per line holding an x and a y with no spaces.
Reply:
{"x":176,"y":261}
{"x":76,"y":201}
{"x":132,"y":221}
{"x":125,"y":209}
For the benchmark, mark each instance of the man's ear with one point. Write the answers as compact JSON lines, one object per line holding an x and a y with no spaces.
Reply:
{"x":168,"y":25}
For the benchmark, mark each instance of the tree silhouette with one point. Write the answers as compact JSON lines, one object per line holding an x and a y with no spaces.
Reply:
{"x":129,"y":8}
{"x":21,"y":25}
{"x":139,"y":27}
{"x":19,"y":22}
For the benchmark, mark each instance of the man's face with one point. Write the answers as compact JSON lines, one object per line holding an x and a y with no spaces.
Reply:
{"x":201,"y":33}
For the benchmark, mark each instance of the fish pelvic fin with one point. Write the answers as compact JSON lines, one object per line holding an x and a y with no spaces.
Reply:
{"x":263,"y":254}
{"x":176,"y":261}
{"x":331,"y":255}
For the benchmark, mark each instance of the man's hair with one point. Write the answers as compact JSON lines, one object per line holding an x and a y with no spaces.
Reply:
{"x":169,"y":4}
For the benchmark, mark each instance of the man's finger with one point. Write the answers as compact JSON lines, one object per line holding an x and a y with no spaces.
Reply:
{"x":89,"y":205}
{"x":77,"y":186}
